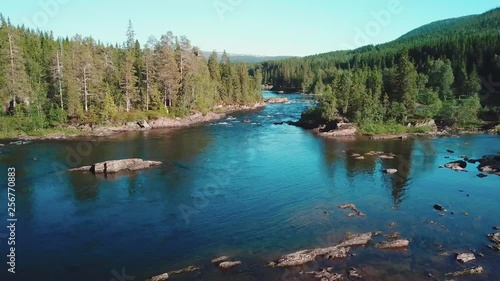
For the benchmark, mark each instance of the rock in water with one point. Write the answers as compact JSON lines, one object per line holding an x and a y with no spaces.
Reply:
{"x":352,"y":207}
{"x":326,"y":275}
{"x":468,"y":271}
{"x":297,"y":258}
{"x":495,"y":237}
{"x":161,"y":277}
{"x":353,"y":273}
{"x":394,"y":235}
{"x":465,"y":257}
{"x":390,"y":171}
{"x":481,"y":175}
{"x":229,"y":264}
{"x":450,"y":151}
{"x":220,"y":259}
{"x":439,"y":208}
{"x":356,"y":239}
{"x":400,"y":243}
{"x":456,"y":165}
{"x":115,"y":166}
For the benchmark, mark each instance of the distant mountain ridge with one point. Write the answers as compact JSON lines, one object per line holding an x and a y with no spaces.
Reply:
{"x":462,"y":25}
{"x":249,"y":58}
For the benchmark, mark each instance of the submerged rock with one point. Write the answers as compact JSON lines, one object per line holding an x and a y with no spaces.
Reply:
{"x":160,"y":277}
{"x":356,"y":239}
{"x":352,"y":207}
{"x":115,"y":166}
{"x":393,"y":235}
{"x":481,"y":175}
{"x":450,"y":151}
{"x":326,"y":275}
{"x":352,"y":273}
{"x":465,"y":257}
{"x":295,"y":259}
{"x":229,"y":264}
{"x":305,"y":256}
{"x":468,"y":271}
{"x":394,"y":244}
{"x":220,"y":259}
{"x":190,"y":268}
{"x":496,"y":227}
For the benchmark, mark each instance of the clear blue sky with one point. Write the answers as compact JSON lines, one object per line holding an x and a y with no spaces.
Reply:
{"x":261,"y":27}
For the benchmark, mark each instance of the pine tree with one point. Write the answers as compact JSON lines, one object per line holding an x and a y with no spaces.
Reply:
{"x":405,"y":85}
{"x":168,"y":74}
{"x":16,"y":82}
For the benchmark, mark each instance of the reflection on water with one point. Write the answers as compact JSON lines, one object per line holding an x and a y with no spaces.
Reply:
{"x":254,"y":192}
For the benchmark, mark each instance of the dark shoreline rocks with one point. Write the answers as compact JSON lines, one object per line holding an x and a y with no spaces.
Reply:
{"x":115,"y":166}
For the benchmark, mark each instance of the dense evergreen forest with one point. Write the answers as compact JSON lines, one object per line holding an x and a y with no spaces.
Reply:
{"x":46,"y":82}
{"x":445,"y":70}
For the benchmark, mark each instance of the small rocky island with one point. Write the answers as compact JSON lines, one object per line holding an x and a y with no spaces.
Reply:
{"x":115,"y":166}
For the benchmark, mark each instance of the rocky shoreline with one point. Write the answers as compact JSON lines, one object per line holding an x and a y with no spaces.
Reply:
{"x":145,"y":125}
{"x":342,"y":129}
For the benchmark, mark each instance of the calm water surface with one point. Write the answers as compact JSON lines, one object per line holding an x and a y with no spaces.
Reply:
{"x":250,"y":189}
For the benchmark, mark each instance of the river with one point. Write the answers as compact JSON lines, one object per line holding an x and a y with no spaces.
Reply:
{"x":252,"y":190}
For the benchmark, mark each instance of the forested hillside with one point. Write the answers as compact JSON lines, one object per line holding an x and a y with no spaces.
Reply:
{"x":47,"y":81}
{"x":445,"y":70}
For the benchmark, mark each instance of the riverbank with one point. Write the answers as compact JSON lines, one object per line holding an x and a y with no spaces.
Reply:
{"x":339,"y":128}
{"x":87,"y":130}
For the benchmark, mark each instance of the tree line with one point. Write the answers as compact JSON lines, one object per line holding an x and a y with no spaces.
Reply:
{"x":434,"y":72}
{"x":50,"y":80}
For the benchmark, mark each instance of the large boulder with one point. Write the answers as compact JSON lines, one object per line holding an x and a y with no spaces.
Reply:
{"x":465,"y":257}
{"x":229,"y":264}
{"x":115,"y":166}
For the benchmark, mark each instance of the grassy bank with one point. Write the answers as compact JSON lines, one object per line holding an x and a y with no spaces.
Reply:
{"x":388,"y":129}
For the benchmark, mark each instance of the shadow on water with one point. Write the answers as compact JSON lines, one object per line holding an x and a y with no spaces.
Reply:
{"x":340,"y":153}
